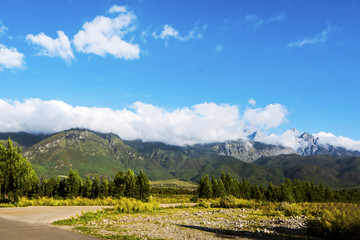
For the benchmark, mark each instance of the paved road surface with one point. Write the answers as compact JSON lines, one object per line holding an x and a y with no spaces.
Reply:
{"x":33,"y":223}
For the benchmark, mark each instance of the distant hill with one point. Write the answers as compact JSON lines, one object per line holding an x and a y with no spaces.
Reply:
{"x":24,"y":139}
{"x":93,"y":153}
{"x":330,"y":170}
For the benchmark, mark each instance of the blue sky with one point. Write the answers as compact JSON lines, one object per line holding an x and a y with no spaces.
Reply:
{"x":299,"y":58}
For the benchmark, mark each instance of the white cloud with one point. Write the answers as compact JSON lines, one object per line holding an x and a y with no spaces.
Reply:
{"x":252,"y":102}
{"x":10,"y":58}
{"x":253,"y":21}
{"x":170,"y":32}
{"x":290,"y":138}
{"x":340,"y":141}
{"x":117,"y":9}
{"x":218,"y":48}
{"x":206,"y":122}
{"x":271,"y":116}
{"x":2,"y":29}
{"x":105,"y":35}
{"x":276,"y":18}
{"x":201,"y":123}
{"x":59,"y":47}
{"x":319,"y":38}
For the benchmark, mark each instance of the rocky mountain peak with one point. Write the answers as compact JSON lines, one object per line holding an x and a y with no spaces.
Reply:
{"x":256,"y":136}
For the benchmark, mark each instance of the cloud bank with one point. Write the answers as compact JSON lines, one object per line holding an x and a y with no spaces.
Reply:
{"x":201,"y":123}
{"x":291,"y":139}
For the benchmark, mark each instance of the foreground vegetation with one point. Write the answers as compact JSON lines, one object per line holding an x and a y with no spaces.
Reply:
{"x":228,"y":216}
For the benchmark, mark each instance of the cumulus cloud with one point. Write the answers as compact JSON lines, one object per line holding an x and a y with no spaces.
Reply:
{"x":170,"y":32}
{"x":105,"y":35}
{"x":289,"y":138}
{"x":10,"y":58}
{"x":252,"y":102}
{"x":117,"y":9}
{"x":338,"y":141}
{"x":201,"y":123}
{"x":271,"y":116}
{"x":319,"y":38}
{"x":59,"y":47}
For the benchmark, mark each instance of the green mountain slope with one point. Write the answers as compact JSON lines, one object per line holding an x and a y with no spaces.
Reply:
{"x":332,"y":171}
{"x":24,"y":139}
{"x":93,"y":153}
{"x":89,"y":153}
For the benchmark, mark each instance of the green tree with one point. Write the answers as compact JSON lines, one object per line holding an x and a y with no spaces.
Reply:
{"x":143,"y":186}
{"x":86,"y":189}
{"x":104,"y":188}
{"x":130,"y":185}
{"x":204,"y":189}
{"x":218,"y":189}
{"x":17,"y":177}
{"x":73,"y":184}
{"x":118,"y":185}
{"x":95,"y":190}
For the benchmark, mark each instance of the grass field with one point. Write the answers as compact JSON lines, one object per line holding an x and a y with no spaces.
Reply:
{"x":173,"y":183}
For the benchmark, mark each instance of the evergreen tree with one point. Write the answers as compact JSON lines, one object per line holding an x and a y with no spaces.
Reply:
{"x":143,"y":186}
{"x":218,"y":189}
{"x":95,"y":190}
{"x":130,"y":185}
{"x":118,"y":185}
{"x":270,"y":192}
{"x":104,"y":188}
{"x":86,"y":190}
{"x":204,"y":189}
{"x":73,"y":184}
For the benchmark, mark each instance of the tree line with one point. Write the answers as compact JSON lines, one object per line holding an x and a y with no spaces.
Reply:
{"x":289,"y":191}
{"x":18,"y":178}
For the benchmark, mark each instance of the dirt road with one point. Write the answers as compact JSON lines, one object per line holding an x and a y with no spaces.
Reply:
{"x":33,"y":223}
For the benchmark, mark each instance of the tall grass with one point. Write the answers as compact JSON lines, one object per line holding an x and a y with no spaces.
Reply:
{"x":334,"y":220}
{"x":129,"y":205}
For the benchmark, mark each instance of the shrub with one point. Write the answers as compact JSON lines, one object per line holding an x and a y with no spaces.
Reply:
{"x":130,"y":205}
{"x":335,"y":221}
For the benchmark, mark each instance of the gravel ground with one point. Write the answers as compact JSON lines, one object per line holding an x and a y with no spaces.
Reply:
{"x":195,"y":223}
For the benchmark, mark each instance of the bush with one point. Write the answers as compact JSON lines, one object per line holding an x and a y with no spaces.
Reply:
{"x":129,"y":205}
{"x":335,"y":221}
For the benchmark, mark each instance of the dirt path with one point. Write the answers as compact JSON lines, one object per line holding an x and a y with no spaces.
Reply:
{"x":19,"y":230}
{"x":44,"y":214}
{"x":33,"y":223}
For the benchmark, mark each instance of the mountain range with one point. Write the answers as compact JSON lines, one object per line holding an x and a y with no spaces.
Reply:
{"x":93,"y":153}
